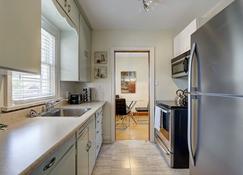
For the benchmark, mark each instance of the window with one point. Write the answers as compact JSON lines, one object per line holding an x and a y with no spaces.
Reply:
{"x":28,"y":87}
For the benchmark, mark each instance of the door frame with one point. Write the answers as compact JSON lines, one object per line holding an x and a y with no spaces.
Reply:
{"x":151,"y":54}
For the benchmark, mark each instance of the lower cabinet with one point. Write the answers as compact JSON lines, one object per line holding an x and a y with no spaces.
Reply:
{"x":66,"y":165}
{"x":78,"y":155}
{"x":83,"y":152}
{"x":92,"y":150}
{"x":61,"y":162}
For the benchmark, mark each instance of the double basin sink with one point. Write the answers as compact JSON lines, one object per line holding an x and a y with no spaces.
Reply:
{"x":65,"y":112}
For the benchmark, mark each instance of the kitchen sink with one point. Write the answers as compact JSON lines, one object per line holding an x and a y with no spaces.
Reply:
{"x":59,"y":112}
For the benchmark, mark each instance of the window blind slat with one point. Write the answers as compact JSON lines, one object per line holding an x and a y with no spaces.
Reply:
{"x":27,"y":86}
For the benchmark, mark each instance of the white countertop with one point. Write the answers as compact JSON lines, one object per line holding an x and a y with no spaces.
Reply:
{"x":24,"y":146}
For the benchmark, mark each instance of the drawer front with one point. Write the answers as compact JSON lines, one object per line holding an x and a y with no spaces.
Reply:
{"x":54,"y":158}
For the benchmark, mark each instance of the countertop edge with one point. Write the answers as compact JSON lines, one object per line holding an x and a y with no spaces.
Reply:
{"x":43,"y":157}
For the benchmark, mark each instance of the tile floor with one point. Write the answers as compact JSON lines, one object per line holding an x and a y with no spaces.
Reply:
{"x":134,"y":131}
{"x":133,"y":158}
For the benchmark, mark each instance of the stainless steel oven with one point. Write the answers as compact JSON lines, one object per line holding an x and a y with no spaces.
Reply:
{"x":179,"y":65}
{"x":163,"y":132}
{"x":171,"y":133}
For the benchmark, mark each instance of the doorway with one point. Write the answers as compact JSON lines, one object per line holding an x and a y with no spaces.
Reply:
{"x":132,"y":117}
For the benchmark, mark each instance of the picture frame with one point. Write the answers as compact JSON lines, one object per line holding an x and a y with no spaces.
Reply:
{"x":100,"y":57}
{"x":100,"y":72}
{"x":128,"y":82}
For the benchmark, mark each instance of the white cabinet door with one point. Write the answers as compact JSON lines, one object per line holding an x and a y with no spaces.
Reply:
{"x":73,"y":12}
{"x":20,"y":35}
{"x":157,"y":118}
{"x":82,"y":153}
{"x":182,"y":42}
{"x":92,"y":150}
{"x":63,"y":4}
{"x":84,"y":51}
{"x":66,"y":165}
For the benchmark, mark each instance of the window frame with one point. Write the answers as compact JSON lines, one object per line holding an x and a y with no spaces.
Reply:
{"x":14,"y":105}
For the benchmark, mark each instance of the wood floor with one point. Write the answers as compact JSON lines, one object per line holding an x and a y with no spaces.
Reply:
{"x":133,"y":157}
{"x":131,"y":131}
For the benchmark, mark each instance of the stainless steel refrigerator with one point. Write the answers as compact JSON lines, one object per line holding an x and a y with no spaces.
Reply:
{"x":215,"y":125}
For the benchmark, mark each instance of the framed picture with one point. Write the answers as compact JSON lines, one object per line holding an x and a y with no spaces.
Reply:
{"x":100,"y":57}
{"x":128,"y":82}
{"x":100,"y":72}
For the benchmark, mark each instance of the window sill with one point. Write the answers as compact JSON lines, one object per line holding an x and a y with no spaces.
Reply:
{"x":29,"y":105}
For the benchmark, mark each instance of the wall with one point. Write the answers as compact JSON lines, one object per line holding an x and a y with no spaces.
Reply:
{"x":160,"y":40}
{"x":138,"y":62}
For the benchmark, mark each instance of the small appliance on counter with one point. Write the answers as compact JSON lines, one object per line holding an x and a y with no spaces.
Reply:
{"x":74,"y":99}
{"x":171,"y":133}
{"x":86,"y":94}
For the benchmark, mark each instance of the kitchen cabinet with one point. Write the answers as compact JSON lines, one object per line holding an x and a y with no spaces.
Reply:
{"x":182,"y":42}
{"x":84,"y":51}
{"x":92,"y":150}
{"x":20,"y":35}
{"x":61,"y":162}
{"x":71,"y":10}
{"x":66,"y":165}
{"x":83,"y":152}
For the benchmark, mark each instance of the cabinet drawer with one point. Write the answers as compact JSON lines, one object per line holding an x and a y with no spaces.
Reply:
{"x":50,"y":163}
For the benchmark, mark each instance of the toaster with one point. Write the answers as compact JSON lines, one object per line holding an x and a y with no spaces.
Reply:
{"x":74,"y":99}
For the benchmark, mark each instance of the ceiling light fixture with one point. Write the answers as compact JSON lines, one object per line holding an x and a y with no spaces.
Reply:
{"x":147,"y":5}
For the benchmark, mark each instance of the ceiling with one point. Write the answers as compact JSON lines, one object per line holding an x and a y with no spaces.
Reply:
{"x":129,"y":14}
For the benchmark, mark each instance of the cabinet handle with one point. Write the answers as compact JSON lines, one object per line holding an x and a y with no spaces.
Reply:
{"x":88,"y":146}
{"x":65,"y":3}
{"x":97,"y":132}
{"x":69,"y":8}
{"x":50,"y":164}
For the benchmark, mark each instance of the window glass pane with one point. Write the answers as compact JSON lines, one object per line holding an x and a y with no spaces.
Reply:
{"x":28,"y":86}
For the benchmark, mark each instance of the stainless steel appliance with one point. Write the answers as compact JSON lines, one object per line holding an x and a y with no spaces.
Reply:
{"x":171,"y":133}
{"x":179,"y":65}
{"x":216,"y":95}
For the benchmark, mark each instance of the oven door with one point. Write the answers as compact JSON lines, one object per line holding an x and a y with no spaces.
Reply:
{"x":165,"y":127}
{"x":180,"y":68}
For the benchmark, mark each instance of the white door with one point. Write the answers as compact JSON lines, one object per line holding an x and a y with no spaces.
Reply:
{"x":83,"y":154}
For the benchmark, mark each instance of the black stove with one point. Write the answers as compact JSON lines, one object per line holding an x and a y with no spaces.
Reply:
{"x":169,"y":104}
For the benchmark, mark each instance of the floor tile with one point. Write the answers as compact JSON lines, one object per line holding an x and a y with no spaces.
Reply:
{"x":132,"y":157}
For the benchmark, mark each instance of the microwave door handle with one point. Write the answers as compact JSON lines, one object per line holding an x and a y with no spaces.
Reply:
{"x":190,"y":104}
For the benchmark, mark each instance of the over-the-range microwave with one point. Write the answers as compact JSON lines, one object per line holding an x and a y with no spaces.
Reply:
{"x":179,"y":65}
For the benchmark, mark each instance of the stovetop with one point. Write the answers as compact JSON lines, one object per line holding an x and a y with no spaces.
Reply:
{"x":169,"y":104}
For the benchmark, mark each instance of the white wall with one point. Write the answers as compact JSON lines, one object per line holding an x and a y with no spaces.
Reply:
{"x":138,"y":62}
{"x":160,"y":40}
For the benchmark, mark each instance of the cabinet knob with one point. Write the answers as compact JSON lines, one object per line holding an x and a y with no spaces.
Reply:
{"x":65,"y":3}
{"x":69,"y":8}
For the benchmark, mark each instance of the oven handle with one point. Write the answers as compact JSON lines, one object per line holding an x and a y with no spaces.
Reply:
{"x":163,"y":147}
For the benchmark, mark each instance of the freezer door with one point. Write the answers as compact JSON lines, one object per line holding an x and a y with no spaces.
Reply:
{"x":220,"y":141}
{"x":220,"y":51}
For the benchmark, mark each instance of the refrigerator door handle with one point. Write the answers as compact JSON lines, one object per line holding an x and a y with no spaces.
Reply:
{"x":192,"y":156}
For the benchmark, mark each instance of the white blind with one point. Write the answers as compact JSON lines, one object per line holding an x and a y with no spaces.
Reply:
{"x":29,"y":87}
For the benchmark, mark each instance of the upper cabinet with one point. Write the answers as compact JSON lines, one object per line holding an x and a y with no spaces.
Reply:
{"x":71,"y":10}
{"x":20,"y":35}
{"x":84,"y":51}
{"x":182,"y":42}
